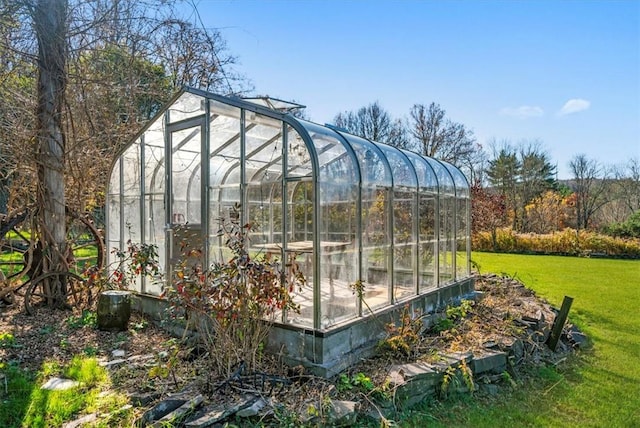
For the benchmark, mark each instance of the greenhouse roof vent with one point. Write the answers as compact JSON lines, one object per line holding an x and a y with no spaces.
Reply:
{"x":275,"y":103}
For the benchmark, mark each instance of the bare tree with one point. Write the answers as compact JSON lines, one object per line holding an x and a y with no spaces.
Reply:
{"x":628,"y":183}
{"x":589,"y":185}
{"x":374,"y":123}
{"x":439,"y":137}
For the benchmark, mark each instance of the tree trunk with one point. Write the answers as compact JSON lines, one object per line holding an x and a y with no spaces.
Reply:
{"x":50,"y":22}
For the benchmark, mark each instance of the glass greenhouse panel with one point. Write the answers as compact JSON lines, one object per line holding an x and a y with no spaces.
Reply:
{"x":224,"y":180}
{"x":186,"y":106}
{"x":427,"y":250}
{"x":155,"y":234}
{"x":114,"y":211}
{"x":376,"y":246}
{"x":185,"y":175}
{"x":427,"y":180}
{"x":299,"y":246}
{"x":298,"y":157}
{"x":403,"y":172}
{"x":404,"y":243}
{"x":462,"y":211}
{"x":130,"y":185}
{"x":374,"y":167}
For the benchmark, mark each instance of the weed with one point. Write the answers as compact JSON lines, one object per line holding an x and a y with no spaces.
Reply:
{"x":507,"y":378}
{"x":86,"y":319}
{"x":467,"y":375}
{"x":363,"y":381}
{"x":454,"y":314}
{"x":286,"y":418}
{"x":402,"y":339}
{"x":7,"y":340}
{"x":90,"y":351}
{"x":166,"y":362}
{"x":46,"y":330}
{"x":140,"y":326}
{"x":344,"y":383}
{"x":448,"y":379}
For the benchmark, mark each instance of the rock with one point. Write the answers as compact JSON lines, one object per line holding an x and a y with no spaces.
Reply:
{"x":180,"y":412}
{"x":253,"y":409}
{"x":489,"y":362}
{"x":118,"y":353}
{"x":113,"y":363}
{"x":576,"y":338}
{"x":59,"y":384}
{"x":86,"y":419}
{"x":413,"y":382}
{"x":490,"y":389}
{"x":343,"y":413}
{"x":215,"y":414}
{"x":161,"y":409}
{"x":516,"y":350}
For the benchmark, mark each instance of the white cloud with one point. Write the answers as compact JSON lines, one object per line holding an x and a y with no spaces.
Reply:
{"x":574,"y":106}
{"x":522,"y":112}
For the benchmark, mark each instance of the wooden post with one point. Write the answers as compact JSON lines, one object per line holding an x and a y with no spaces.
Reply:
{"x":558,"y":323}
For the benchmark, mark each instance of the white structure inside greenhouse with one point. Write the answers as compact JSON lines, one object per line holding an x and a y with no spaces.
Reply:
{"x":346,"y":208}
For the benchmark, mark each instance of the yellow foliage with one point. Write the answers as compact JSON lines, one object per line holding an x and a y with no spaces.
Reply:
{"x":567,"y":241}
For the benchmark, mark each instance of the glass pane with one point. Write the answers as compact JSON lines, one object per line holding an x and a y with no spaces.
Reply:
{"x":338,"y":255}
{"x":188,"y":105}
{"x":401,"y":168}
{"x":224,"y":173}
{"x":299,"y":248}
{"x":154,"y":159}
{"x":447,"y":238}
{"x":404,"y":243}
{"x":131,"y":170}
{"x":427,"y":247}
{"x":427,"y":180}
{"x":298,"y":158}
{"x":185,"y":176}
{"x":113,"y":227}
{"x":376,"y":246}
{"x":374,"y":167}
{"x":155,"y":234}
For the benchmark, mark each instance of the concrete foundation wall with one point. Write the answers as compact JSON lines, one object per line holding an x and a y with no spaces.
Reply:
{"x":327,"y":353}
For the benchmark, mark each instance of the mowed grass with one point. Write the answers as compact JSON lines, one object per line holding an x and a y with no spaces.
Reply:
{"x":601,"y":388}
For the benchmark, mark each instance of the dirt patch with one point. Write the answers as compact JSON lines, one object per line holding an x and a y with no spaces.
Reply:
{"x":508,"y":317}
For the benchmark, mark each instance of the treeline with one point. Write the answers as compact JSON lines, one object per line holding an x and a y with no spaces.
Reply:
{"x":514,"y":186}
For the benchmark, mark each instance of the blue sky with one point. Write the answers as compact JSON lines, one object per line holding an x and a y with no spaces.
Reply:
{"x":566,"y":73}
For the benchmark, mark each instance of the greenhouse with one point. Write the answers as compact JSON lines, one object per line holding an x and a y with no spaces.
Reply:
{"x":345,"y":209}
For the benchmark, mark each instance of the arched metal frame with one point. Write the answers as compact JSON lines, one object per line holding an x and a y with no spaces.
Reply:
{"x":393,"y":219}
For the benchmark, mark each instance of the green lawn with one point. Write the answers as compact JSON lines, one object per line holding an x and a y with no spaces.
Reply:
{"x":601,"y":388}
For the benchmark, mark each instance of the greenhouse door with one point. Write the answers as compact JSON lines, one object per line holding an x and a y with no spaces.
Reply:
{"x":185,"y":240}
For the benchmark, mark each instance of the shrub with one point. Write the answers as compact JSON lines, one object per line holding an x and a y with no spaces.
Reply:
{"x":566,"y":242}
{"x":627,"y":229}
{"x":403,"y":337}
{"x":232,"y":304}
